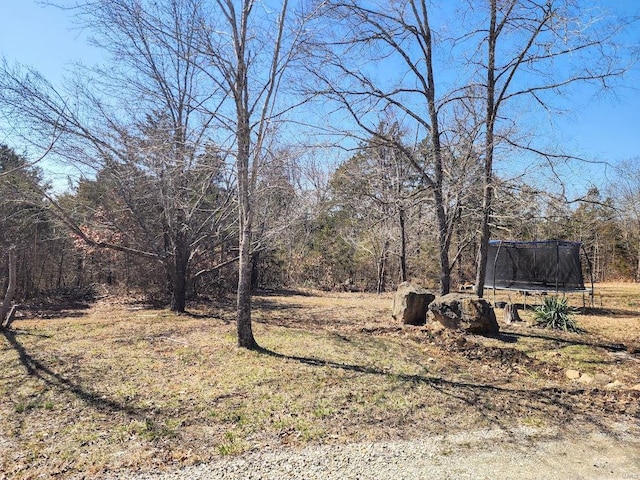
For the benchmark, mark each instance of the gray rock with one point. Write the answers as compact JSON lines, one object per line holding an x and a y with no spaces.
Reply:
{"x":411,"y":303}
{"x":465,"y":312}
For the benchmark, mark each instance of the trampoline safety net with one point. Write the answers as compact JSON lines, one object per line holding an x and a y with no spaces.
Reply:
{"x":550,"y":265}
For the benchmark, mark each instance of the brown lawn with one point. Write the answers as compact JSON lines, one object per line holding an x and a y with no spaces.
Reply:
{"x":122,"y":386}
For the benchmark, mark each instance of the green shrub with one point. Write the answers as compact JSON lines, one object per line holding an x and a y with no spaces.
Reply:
{"x":555,"y":312}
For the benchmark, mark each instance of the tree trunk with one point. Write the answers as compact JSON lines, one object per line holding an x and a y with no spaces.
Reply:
{"x":382,"y":268}
{"x":250,"y":135}
{"x":244,"y":328}
{"x":79,"y":272}
{"x":436,"y":154}
{"x":255,"y":271}
{"x":10,"y":316}
{"x":11,"y":287}
{"x":403,"y":246}
{"x":483,"y":250}
{"x":487,"y":197}
{"x":179,"y":275}
{"x":60,"y":265}
{"x":443,"y":247}
{"x":511,"y":313}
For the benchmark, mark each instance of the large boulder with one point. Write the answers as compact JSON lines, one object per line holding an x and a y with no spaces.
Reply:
{"x":411,"y":303}
{"x":465,"y":312}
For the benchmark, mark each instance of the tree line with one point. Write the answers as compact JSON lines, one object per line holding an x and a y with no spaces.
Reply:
{"x":365,"y":226}
{"x":198,"y":145}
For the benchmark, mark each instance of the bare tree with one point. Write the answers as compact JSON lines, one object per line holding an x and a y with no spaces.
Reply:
{"x":277,"y":211}
{"x":140,"y":120}
{"x":487,"y":64}
{"x":398,"y":35}
{"x":203,"y":73}
{"x":26,"y":223}
{"x":249,"y":47}
{"x":529,"y":53}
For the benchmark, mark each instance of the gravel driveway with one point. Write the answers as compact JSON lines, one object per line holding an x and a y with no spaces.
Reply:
{"x":487,"y":454}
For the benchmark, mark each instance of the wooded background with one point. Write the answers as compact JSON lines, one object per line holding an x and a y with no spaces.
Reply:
{"x":360,"y":229}
{"x":342,"y":145}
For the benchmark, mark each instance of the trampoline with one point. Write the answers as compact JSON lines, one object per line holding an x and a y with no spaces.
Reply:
{"x":535,"y":267}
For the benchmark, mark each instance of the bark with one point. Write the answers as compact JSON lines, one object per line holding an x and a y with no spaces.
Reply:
{"x":485,"y":233}
{"x":10,"y":316}
{"x":441,"y":215}
{"x":244,"y":327}
{"x":250,"y":137}
{"x":382,"y":267}
{"x":179,"y":275}
{"x":487,"y":197}
{"x":11,"y":287}
{"x":403,"y":246}
{"x":444,"y":240}
{"x":511,"y":313}
{"x":255,"y":271}
{"x":60,"y":265}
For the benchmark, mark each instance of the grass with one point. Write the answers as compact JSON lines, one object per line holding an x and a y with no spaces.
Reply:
{"x":120,"y":388}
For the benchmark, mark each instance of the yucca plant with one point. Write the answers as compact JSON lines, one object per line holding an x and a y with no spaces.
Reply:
{"x":555,"y":312}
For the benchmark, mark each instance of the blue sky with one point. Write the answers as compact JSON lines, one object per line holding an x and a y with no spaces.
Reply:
{"x":41,"y":36}
{"x":605,"y":128}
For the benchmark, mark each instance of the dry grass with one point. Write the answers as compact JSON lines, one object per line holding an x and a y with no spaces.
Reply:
{"x":121,"y":387}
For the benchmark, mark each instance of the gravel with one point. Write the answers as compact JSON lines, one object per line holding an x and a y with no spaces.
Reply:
{"x":526,"y":453}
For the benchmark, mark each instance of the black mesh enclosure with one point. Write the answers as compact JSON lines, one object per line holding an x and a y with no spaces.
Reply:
{"x":550,"y":265}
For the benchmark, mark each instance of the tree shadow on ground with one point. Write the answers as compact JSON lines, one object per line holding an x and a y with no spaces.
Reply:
{"x":299,"y":315}
{"x":282,"y":292}
{"x":559,"y":340}
{"x":608,"y":312}
{"x":38,"y":369}
{"x":326,"y":317}
{"x":52,"y":311}
{"x":504,"y":337}
{"x":274,"y":305}
{"x":497,"y":404}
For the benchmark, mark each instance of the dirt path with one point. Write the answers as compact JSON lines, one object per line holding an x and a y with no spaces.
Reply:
{"x":485,"y":454}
